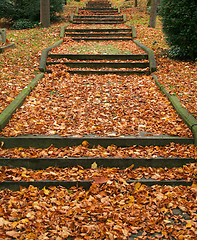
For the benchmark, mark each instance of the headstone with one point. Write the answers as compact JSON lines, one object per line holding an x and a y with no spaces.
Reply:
{"x":2,"y":35}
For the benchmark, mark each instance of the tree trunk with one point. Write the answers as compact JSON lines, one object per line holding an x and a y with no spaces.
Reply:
{"x":153,"y":13}
{"x":45,"y":13}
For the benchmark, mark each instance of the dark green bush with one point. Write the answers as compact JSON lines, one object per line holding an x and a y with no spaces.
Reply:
{"x":6,"y":9}
{"x":24,"y":24}
{"x":27,"y":9}
{"x":179,"y":25}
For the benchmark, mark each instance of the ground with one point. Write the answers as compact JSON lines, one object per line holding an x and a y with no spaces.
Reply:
{"x":112,"y":106}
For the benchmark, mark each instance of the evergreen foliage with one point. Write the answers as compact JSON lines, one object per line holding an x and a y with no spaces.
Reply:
{"x":27,"y":10}
{"x":6,"y":9}
{"x":180,"y":28}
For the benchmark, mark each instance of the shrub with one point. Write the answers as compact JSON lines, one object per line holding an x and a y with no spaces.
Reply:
{"x":24,"y":24}
{"x":6,"y":9}
{"x":179,"y":25}
{"x":27,"y":9}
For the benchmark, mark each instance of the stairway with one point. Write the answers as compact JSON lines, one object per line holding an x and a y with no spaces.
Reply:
{"x":120,"y":34}
{"x":102,"y":64}
{"x":98,"y":12}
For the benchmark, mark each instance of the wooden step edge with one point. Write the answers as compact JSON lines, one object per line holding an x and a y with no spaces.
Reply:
{"x":102,"y":64}
{"x":45,"y":141}
{"x":15,"y":186}
{"x":86,"y":162}
{"x":102,"y":39}
{"x":100,"y":56}
{"x":103,"y":72}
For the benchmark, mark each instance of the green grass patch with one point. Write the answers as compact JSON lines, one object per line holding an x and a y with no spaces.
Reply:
{"x":98,"y":49}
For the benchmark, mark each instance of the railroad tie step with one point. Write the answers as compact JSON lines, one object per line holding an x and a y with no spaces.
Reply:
{"x":97,"y":17}
{"x":92,"y":30}
{"x":87,"y":163}
{"x":104,"y":72}
{"x":100,"y":56}
{"x":102,"y":39}
{"x":109,"y":19}
{"x":102,"y":64}
{"x":15,"y":186}
{"x":123,"y":34}
{"x":97,"y":22}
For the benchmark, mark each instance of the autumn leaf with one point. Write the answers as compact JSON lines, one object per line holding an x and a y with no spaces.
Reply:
{"x":3,"y":222}
{"x":85,"y":144}
{"x":64,"y":232}
{"x":46,"y":191}
{"x":131,"y":198}
{"x":131,"y":167}
{"x":94,"y":165}
{"x":188,"y":225}
{"x":194,"y":185}
{"x":137,"y":186}
{"x":13,"y":234}
{"x":100,"y":180}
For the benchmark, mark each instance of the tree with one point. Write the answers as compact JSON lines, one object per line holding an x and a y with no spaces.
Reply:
{"x":45,"y":13}
{"x":179,"y":25}
{"x":26,"y":12}
{"x":153,"y":13}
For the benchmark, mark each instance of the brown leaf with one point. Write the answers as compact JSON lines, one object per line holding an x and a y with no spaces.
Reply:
{"x":100,"y":180}
{"x":13,"y":234}
{"x":94,"y":165}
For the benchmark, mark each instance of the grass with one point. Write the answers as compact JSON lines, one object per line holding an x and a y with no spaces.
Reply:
{"x":99,"y":49}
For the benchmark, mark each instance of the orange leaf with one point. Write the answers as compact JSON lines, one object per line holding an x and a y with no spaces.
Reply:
{"x":13,"y":234}
{"x":100,"y":180}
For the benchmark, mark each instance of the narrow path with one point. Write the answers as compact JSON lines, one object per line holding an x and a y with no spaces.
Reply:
{"x":113,"y":134}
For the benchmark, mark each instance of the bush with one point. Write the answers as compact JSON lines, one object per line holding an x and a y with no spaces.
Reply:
{"x":27,"y":9}
{"x":179,"y":25}
{"x":24,"y":24}
{"x":6,"y":9}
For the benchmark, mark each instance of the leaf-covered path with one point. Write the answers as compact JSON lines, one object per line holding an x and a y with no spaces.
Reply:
{"x":112,"y":106}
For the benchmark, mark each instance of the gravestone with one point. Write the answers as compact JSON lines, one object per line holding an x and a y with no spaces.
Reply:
{"x":2,"y":35}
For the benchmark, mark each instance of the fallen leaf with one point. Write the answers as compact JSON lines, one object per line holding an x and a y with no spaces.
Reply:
{"x":85,"y":144}
{"x":194,"y":185}
{"x":13,"y":234}
{"x":94,"y":165}
{"x":46,"y":191}
{"x":137,"y":186}
{"x":100,"y":180}
{"x":3,"y":222}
